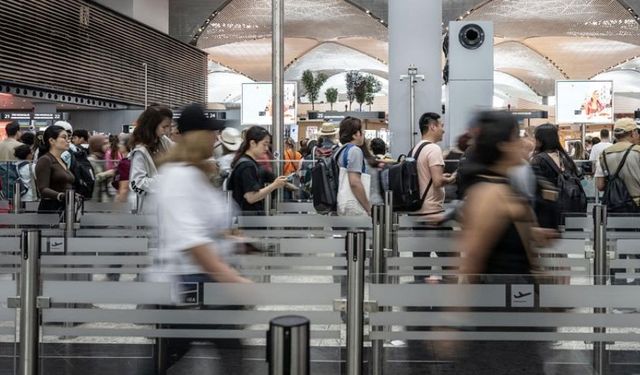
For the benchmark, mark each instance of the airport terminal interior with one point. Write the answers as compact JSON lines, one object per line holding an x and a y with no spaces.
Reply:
{"x":311,"y":187}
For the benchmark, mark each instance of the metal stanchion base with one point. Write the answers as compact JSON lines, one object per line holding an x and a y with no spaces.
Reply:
{"x":160,"y":356}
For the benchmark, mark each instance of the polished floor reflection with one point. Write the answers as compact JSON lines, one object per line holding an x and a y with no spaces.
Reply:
{"x":489,"y":359}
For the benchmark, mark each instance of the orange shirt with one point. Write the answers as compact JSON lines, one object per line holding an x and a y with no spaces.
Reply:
{"x":291,"y":161}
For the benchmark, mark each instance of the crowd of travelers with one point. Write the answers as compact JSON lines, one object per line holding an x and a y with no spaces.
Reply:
{"x":178,"y":169}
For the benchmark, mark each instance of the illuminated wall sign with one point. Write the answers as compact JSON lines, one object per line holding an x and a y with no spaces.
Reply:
{"x":30,"y":116}
{"x":209,"y":114}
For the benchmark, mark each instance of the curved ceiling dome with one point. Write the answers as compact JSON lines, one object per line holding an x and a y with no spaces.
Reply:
{"x":239,"y":36}
{"x":518,"y":60}
{"x":579,"y":38}
{"x":536,"y":41}
{"x":335,"y":58}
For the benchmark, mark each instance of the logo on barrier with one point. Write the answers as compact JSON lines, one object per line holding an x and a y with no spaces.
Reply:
{"x":522,"y":296}
{"x":56,"y":245}
{"x":189,"y":293}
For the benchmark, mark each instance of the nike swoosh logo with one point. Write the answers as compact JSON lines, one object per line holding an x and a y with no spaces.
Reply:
{"x":56,"y":243}
{"x":521,"y":295}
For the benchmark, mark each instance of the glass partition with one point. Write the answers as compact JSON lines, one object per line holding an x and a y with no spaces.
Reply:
{"x":9,"y":274}
{"x":505,"y":324}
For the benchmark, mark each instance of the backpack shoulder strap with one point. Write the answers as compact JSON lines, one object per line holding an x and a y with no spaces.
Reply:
{"x":547,"y":159}
{"x":336,"y":156}
{"x":426,"y":191}
{"x":624,"y":159}
{"x":21,"y":164}
{"x":422,"y":145}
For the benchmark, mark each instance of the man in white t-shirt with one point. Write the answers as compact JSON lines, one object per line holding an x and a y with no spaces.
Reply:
{"x":596,"y":150}
{"x":431,"y":164}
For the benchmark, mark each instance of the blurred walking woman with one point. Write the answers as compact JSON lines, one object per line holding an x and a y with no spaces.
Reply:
{"x":497,"y":221}
{"x":247,"y":180}
{"x":193,"y":215}
{"x":147,"y":146}
{"x":498,"y":231}
{"x":53,"y":177}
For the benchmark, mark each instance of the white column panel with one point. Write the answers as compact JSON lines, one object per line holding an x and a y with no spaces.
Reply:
{"x":415,"y":37}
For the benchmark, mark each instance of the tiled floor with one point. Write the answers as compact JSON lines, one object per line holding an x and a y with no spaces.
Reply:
{"x":485,"y":359}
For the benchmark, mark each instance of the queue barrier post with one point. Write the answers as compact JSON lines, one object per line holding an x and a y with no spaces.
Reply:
{"x":600,"y":274}
{"x":288,"y":349}
{"x":356,"y":241}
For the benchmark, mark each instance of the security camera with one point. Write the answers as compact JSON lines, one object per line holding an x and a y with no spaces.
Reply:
{"x":471,"y":36}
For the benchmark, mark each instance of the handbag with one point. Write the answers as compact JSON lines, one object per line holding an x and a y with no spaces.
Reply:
{"x":348,"y":204}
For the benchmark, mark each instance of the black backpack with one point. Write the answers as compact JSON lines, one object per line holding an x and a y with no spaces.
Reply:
{"x":82,"y":170}
{"x":325,"y":176}
{"x":616,"y":195}
{"x":402,"y":180}
{"x":572,"y":197}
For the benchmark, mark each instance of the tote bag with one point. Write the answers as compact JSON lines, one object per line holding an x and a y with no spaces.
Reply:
{"x":348,"y":205}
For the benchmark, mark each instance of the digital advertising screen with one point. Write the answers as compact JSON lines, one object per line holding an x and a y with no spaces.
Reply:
{"x":257,"y":108}
{"x":588,"y":102}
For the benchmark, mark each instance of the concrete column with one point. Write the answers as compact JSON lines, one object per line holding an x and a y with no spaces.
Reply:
{"x":415,"y":38}
{"x":154,"y":13}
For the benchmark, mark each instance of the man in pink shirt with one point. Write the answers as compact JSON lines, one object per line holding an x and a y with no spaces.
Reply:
{"x":431,"y":164}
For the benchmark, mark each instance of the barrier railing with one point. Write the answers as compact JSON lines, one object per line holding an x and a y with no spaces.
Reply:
{"x":303,"y":255}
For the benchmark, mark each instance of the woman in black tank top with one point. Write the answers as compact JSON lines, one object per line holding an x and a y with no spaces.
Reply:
{"x":498,"y":223}
{"x":498,"y":230}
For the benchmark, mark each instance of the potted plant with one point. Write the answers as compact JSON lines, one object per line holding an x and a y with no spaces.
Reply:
{"x":331,"y":96}
{"x":312,"y":84}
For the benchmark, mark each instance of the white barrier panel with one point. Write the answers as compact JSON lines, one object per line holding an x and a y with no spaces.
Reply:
{"x":304,"y":221}
{"x":505,"y":336}
{"x":628,"y":246}
{"x":270,"y":294}
{"x":311,"y":245}
{"x":440,"y":244}
{"x":116,"y":220}
{"x":621,"y":296}
{"x":175,"y":333}
{"x":504,"y":319}
{"x":107,"y":292}
{"x":180,"y":316}
{"x":101,"y":244}
{"x":438,"y":295}
{"x":7,"y":289}
{"x":30,"y":219}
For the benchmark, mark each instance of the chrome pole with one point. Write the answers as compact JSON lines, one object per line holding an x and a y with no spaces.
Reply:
{"x":29,"y":320}
{"x":388,"y":221}
{"x":277,"y":85}
{"x":356,"y":241}
{"x":390,"y":224}
{"x":413,"y":76}
{"x":600,"y":271}
{"x":70,"y":213}
{"x":17,"y":198}
{"x":288,"y":349}
{"x":377,"y":274}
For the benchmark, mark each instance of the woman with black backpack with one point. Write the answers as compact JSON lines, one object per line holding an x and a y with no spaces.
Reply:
{"x":552,"y":163}
{"x":249,"y":182}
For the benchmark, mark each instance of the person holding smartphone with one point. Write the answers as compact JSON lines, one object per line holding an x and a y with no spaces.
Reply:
{"x":248,"y":179}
